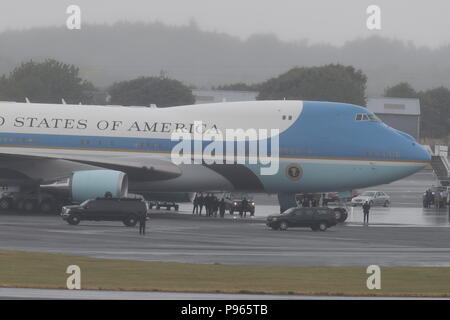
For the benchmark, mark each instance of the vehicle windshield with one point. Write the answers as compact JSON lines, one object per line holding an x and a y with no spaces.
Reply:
{"x":240,"y":196}
{"x":288,"y":211}
{"x":368,"y":194}
{"x":84,"y":203}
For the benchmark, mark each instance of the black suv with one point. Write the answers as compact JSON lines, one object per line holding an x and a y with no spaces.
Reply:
{"x":319,"y":218}
{"x":107,"y":209}
{"x":233,"y":203}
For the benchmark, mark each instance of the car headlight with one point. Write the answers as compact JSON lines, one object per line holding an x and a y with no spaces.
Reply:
{"x":275,"y":219}
{"x":235,"y":203}
{"x":253,"y":203}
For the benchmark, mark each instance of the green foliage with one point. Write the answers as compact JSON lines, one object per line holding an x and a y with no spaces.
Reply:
{"x":401,"y":90}
{"x":46,"y":82}
{"x":144,"y":91}
{"x":239,"y":87}
{"x":435,"y":113}
{"x":326,"y":83}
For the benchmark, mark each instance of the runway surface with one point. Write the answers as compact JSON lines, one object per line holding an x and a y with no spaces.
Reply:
{"x":19,"y":293}
{"x":193,"y":239}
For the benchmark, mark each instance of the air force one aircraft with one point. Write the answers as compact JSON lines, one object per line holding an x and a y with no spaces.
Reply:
{"x":323,"y":146}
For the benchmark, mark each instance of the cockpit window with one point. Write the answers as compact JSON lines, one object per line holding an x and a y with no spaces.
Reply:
{"x":373,"y":117}
{"x":367,"y":117}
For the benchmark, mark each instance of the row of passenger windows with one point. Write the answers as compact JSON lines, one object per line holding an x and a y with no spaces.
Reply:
{"x":18,"y":140}
{"x":85,"y":142}
{"x":141,"y":145}
{"x":148,"y":145}
{"x":367,"y":117}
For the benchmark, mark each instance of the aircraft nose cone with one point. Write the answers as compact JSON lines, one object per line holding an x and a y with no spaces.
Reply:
{"x":421,"y":153}
{"x":416,"y":151}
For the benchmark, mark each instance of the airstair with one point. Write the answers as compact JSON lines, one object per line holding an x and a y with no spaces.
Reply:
{"x":441,"y":165}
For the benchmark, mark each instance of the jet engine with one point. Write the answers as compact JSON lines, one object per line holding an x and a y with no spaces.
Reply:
{"x":90,"y":184}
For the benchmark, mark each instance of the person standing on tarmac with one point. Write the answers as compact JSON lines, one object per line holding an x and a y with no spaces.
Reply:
{"x":245,"y":206}
{"x":195,"y":203}
{"x":142,"y":221}
{"x":216,"y":206}
{"x":208,"y":204}
{"x":201,"y":203}
{"x":222,"y":208}
{"x":366,"y":209}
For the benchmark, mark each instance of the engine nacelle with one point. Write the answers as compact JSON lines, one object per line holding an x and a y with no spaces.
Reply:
{"x":90,"y":184}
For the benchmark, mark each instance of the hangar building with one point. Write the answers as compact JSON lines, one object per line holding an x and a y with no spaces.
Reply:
{"x":399,"y":113}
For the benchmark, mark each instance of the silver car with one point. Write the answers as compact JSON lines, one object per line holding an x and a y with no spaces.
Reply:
{"x":375,"y":198}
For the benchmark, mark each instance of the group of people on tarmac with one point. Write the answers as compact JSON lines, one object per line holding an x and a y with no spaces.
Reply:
{"x":211,"y":203}
{"x":438,"y":199}
{"x":311,"y":201}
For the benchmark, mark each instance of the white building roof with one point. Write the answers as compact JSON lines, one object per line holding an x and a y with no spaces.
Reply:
{"x":394,"y":106}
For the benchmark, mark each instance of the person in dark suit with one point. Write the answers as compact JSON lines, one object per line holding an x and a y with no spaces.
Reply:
{"x":201,"y":203}
{"x":196,"y":204}
{"x":222,"y":208}
{"x":142,"y":221}
{"x":366,"y":210}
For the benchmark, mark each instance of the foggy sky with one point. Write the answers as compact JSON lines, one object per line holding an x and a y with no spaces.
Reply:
{"x":331,"y":21}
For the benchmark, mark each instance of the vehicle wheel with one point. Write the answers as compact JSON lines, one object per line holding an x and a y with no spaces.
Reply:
{"x":46,"y":206}
{"x":341,"y":214}
{"x":322,"y":226}
{"x":157,"y":207}
{"x":176,"y":208}
{"x":5,"y":204}
{"x":386,"y":203}
{"x":130,"y":221}
{"x":338,"y":214}
{"x":231,"y":212}
{"x":28,"y":206}
{"x":73,"y":220}
{"x":283,"y":226}
{"x":344,"y":217}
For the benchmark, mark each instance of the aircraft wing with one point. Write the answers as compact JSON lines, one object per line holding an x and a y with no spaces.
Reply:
{"x":51,"y":166}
